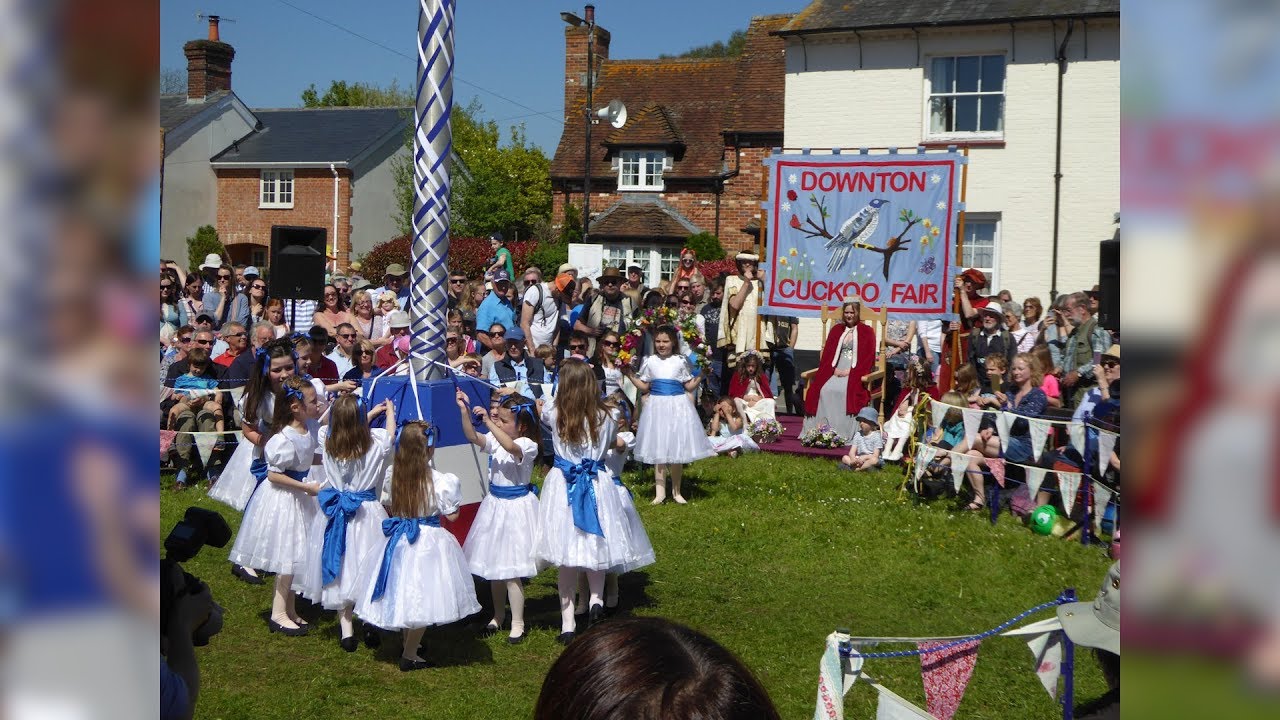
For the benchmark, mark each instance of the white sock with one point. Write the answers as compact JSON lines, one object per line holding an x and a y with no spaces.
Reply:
{"x":566,"y":583}
{"x":595,"y":580}
{"x":280,"y":602}
{"x":412,"y":639}
{"x":498,"y":588}
{"x":345,"y":621}
{"x":515,"y":591}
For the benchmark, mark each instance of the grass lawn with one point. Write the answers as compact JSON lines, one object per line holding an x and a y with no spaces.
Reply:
{"x":771,"y":555}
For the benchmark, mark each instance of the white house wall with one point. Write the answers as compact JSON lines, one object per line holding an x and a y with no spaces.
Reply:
{"x":830,"y":102}
{"x":373,"y":198}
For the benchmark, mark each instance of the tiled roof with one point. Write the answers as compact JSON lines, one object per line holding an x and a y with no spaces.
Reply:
{"x":695,"y":99}
{"x":642,"y":217}
{"x":653,"y":125}
{"x":834,"y":15}
{"x":316,"y":135}
{"x":758,"y":96}
{"x":177,"y":109}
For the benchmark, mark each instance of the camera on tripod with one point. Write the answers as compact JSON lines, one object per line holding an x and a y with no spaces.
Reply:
{"x":198,"y":527}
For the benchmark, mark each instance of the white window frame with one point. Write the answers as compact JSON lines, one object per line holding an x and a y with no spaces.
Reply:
{"x":931,"y":134}
{"x":993,"y":272}
{"x":276,"y":189}
{"x":646,"y":255}
{"x":650,"y":165}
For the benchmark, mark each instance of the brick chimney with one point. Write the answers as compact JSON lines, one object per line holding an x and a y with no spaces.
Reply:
{"x":208,"y":64}
{"x":575,"y":60}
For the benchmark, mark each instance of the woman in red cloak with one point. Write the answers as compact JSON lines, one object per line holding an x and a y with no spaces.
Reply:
{"x":848,"y":355}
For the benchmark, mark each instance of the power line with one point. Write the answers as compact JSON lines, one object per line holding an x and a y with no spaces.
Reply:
{"x":414,"y":58}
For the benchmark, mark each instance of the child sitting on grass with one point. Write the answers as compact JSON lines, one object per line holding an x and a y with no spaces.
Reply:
{"x":865,"y":446}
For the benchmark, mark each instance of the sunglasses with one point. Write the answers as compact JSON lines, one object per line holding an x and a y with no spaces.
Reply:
{"x":577,"y":348}
{"x":366,"y":352}
{"x":607,"y":283}
{"x":608,"y":343}
{"x":166,"y":287}
{"x":239,"y":334}
{"x":684,"y":303}
{"x":347,"y":336}
{"x":331,"y":295}
{"x":451,"y":340}
{"x":682,"y":287}
{"x":259,"y":287}
{"x":456,"y":281}
{"x":186,"y":339}
{"x":497,"y":334}
{"x":1110,"y":363}
{"x":204,"y":342}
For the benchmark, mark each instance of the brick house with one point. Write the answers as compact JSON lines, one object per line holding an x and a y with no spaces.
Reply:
{"x":688,"y":160}
{"x":243,"y":170}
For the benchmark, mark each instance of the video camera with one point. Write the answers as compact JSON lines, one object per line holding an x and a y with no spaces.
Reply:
{"x":198,"y":527}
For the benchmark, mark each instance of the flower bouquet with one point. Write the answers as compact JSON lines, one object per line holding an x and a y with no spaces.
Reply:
{"x":765,"y":431}
{"x":822,"y":436}
{"x":633,"y":340}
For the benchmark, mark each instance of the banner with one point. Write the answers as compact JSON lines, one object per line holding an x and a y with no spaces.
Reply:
{"x":879,"y":227}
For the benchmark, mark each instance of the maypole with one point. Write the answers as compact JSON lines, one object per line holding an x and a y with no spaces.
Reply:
{"x":432,"y":143}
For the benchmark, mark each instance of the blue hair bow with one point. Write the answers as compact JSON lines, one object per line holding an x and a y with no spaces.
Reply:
{"x":525,"y":407}
{"x":293,"y":393}
{"x":261,"y":355}
{"x":431,"y":432}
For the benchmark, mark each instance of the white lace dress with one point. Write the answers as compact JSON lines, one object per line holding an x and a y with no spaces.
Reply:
{"x":273,"y":534}
{"x":500,"y":543}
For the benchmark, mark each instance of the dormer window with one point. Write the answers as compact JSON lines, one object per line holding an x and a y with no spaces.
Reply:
{"x":642,"y":169}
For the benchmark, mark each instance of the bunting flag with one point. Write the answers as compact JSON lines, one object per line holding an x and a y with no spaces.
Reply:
{"x":166,"y":441}
{"x":1106,"y":444}
{"x":1004,"y":423}
{"x":836,"y":675}
{"x":996,"y":467}
{"x":1044,"y":639}
{"x":924,"y":456}
{"x":959,"y":463}
{"x":946,"y":674}
{"x":1039,"y":434}
{"x":1068,"y":486}
{"x":1035,"y":478}
{"x":972,"y":421}
{"x":1101,"y":499}
{"x":893,"y":707}
{"x":939,"y":411}
{"x":1076,"y":432}
{"x":205,"y":442}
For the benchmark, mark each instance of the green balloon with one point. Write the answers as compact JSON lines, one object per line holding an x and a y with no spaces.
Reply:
{"x":1043,"y":519}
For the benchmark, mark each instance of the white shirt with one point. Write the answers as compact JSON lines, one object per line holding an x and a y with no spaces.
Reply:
{"x":930,"y":333}
{"x":342,"y":361}
{"x":542,"y":328}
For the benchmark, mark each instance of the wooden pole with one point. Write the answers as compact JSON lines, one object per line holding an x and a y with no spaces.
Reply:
{"x":764,"y":228}
{"x":955,"y":339}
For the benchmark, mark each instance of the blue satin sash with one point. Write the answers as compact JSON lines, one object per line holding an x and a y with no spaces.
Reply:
{"x":512,"y":492}
{"x":582,"y":492}
{"x":339,"y":507}
{"x":396,"y":528}
{"x":666,"y":388}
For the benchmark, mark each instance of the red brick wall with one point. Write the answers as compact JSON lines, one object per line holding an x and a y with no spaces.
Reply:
{"x":739,"y":204}
{"x":575,"y":64}
{"x":241,"y":221}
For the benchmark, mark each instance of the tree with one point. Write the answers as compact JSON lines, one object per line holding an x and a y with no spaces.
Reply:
{"x":733,"y":48}
{"x":357,"y":94}
{"x":204,"y":242}
{"x":173,"y":81}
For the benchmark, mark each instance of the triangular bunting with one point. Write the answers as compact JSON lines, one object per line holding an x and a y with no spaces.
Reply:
{"x":1068,"y":486}
{"x":1039,"y":433}
{"x":939,"y":411}
{"x":924,"y":456}
{"x":205,"y":443}
{"x":835,"y":676}
{"x":1076,"y":431}
{"x":1004,"y":422}
{"x":1035,"y":478}
{"x":972,"y":421}
{"x":1106,"y":445}
{"x":166,"y":441}
{"x":946,"y":674}
{"x":1044,"y":639}
{"x":996,"y":467}
{"x":1101,"y":499}
{"x":959,"y":463}
{"x":893,"y":707}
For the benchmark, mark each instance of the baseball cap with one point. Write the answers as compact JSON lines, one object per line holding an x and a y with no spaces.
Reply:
{"x":204,"y":318}
{"x":501,"y":276}
{"x":514,"y":333}
{"x":252,"y":271}
{"x":1096,"y":624}
{"x":395,"y":269}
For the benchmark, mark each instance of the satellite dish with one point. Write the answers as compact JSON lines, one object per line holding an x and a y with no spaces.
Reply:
{"x":615,"y":113}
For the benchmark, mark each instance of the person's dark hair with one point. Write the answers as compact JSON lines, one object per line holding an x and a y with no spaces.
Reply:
{"x":341,"y":304}
{"x":650,"y":668}
{"x":259,"y":382}
{"x":527,"y":423}
{"x":671,"y":332}
{"x":653,"y":298}
{"x":283,"y":414}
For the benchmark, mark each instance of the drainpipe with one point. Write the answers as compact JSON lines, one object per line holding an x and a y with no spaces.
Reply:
{"x":726,"y":176}
{"x":334,"y":169}
{"x":1057,"y":160}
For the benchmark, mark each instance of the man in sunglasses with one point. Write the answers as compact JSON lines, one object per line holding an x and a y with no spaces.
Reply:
{"x":496,"y":308}
{"x":608,"y":311}
{"x":237,"y":374}
{"x":236,"y":338}
{"x":204,"y":321}
{"x":517,"y":370}
{"x":342,"y":352}
{"x":457,"y":286}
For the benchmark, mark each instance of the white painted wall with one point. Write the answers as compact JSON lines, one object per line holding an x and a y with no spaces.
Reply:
{"x":833,"y":102}
{"x":373,"y":199}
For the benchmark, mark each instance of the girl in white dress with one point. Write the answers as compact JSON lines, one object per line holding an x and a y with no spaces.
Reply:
{"x":248,"y":466}
{"x":273,"y":534}
{"x":670,"y":432}
{"x":349,"y":523}
{"x":418,"y":576}
{"x":728,"y":431}
{"x":499,"y":547}
{"x":585,"y":523}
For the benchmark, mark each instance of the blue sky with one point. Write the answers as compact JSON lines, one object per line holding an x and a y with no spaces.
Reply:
{"x":510,"y":48}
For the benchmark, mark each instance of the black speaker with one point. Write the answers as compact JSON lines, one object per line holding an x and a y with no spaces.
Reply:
{"x":297,"y":262}
{"x":1109,"y":285}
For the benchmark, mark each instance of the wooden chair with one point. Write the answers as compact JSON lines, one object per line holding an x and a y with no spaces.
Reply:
{"x":875,"y":381}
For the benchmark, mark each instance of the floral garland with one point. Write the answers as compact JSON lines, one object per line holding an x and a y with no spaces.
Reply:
{"x":633,"y":340}
{"x":765,"y":430}
{"x":822,"y":436}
